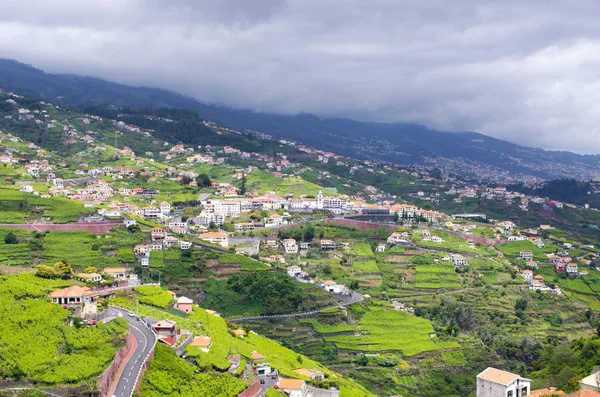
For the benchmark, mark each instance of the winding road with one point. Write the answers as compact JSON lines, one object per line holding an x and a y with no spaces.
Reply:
{"x":127,"y":376}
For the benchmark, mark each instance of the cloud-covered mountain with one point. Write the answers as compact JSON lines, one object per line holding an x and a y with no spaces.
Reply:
{"x":463,"y":152}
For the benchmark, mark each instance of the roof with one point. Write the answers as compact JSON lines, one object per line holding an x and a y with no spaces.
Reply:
{"x":291,"y":384}
{"x":183,"y":299}
{"x":498,"y":376}
{"x":309,"y":373}
{"x":584,"y":393}
{"x":201,"y":341}
{"x":239,"y":332}
{"x":546,"y":392}
{"x":213,"y":235}
{"x":70,"y":292}
{"x":257,"y":356}
{"x":115,"y":270}
{"x":164,"y":324}
{"x":88,"y":276}
{"x":329,"y":282}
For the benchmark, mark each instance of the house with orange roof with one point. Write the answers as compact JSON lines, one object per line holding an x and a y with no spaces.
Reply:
{"x":292,"y":387}
{"x":333,"y":287}
{"x":202,"y":342}
{"x":494,"y":382}
{"x":239,"y":333}
{"x":310,"y":373}
{"x":79,"y":300}
{"x":527,"y":274}
{"x":216,"y":238}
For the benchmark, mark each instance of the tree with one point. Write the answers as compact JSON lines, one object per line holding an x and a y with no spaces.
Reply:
{"x":521,"y":304}
{"x":212,"y":226}
{"x":309,"y":233}
{"x":63,"y":269}
{"x":242,"y":188}
{"x":396,"y":217}
{"x":91,"y":269}
{"x":45,"y":271}
{"x":11,"y":238}
{"x":203,"y":180}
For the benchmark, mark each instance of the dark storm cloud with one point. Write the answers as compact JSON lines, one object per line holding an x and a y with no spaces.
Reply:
{"x":522,"y":71}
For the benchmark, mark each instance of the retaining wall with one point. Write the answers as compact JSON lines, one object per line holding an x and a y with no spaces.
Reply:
{"x":251,"y":391}
{"x":105,"y":380}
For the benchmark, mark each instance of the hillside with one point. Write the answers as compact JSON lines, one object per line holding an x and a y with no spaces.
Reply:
{"x":471,"y":154}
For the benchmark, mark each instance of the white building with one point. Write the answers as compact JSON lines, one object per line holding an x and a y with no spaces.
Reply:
{"x":290,"y":246}
{"x":458,"y":260}
{"x":165,"y":208}
{"x":333,"y":287}
{"x":497,"y":383}
{"x":294,"y":271}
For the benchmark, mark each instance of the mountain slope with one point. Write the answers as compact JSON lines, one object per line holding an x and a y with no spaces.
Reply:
{"x":465,"y":153}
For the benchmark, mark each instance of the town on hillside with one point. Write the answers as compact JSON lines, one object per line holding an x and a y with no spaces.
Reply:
{"x":145,"y":258}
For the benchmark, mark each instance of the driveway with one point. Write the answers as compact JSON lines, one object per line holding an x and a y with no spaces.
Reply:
{"x":129,"y":372}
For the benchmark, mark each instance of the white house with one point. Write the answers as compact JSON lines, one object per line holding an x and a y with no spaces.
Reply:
{"x":493,"y":382}
{"x":292,"y":387}
{"x":458,"y":260}
{"x":437,"y":239}
{"x":396,"y":238}
{"x":333,"y":287}
{"x":289,"y":246}
{"x":202,"y":342}
{"x":145,"y":261}
{"x":526,"y":255}
{"x":572,"y":269}
{"x":294,"y":271}
{"x":216,"y":238}
{"x":165,"y":208}
{"x":527,"y":274}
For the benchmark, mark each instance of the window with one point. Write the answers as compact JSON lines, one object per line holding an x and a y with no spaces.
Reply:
{"x":509,"y":393}
{"x":524,"y":391}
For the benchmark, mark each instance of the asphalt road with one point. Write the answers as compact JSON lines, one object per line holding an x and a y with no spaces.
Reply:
{"x":264,"y":386}
{"x":145,"y":339}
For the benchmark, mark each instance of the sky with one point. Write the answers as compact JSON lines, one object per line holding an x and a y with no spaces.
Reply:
{"x":524,"y":71}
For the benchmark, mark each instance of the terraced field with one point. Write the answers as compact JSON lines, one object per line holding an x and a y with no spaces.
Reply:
{"x":386,"y":330}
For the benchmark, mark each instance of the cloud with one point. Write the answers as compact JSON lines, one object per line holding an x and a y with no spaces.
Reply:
{"x":521,"y":71}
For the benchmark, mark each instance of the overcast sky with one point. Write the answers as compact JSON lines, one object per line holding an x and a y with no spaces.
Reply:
{"x":518,"y":70}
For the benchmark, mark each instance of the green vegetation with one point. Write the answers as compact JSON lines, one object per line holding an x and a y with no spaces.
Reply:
{"x":386,"y":330}
{"x":16,"y":207}
{"x":170,"y":375}
{"x":246,"y":263}
{"x":264,"y":181}
{"x":47,"y":350}
{"x":154,"y":296}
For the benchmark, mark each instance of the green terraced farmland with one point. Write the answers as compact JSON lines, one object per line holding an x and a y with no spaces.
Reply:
{"x":436,"y":276}
{"x":386,"y":330}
